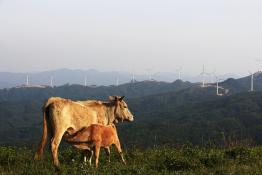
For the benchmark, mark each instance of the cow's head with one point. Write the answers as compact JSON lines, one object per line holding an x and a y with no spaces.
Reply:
{"x":122,"y":112}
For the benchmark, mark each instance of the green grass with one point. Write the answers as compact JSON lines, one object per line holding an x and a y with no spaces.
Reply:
{"x":185,"y":160}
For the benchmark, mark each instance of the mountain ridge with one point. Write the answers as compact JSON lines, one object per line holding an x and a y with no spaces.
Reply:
{"x":93,"y":77}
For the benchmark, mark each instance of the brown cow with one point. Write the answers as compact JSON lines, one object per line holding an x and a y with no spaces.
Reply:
{"x":61,"y":114}
{"x":93,"y":138}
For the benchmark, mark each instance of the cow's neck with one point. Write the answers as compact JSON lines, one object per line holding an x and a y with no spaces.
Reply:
{"x":110,"y":113}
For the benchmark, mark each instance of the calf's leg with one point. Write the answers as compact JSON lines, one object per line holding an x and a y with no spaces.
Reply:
{"x":97,"y":151}
{"x":107,"y":149}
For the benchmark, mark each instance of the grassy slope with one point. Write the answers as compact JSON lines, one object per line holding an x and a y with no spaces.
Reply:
{"x":164,"y":160}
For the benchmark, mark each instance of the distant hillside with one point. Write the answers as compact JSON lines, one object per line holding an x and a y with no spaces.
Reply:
{"x":130,"y":90}
{"x":92,"y":76}
{"x":68,"y":76}
{"x":243,"y":84}
{"x":61,"y":77}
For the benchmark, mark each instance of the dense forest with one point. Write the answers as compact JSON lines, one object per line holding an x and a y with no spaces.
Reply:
{"x":165,"y":113}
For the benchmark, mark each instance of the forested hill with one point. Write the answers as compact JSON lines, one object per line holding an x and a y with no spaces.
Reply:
{"x":221,"y":120}
{"x":243,"y":84}
{"x":20,"y":108}
{"x":165,"y":113}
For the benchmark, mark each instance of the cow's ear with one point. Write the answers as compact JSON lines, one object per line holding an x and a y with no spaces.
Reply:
{"x":116,"y":98}
{"x":111,"y":98}
{"x":121,"y":98}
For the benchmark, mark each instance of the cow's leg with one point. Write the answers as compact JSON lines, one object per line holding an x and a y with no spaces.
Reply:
{"x":97,"y":151}
{"x":91,"y":152}
{"x":54,"y":146}
{"x":107,"y":149}
{"x":119,"y":150}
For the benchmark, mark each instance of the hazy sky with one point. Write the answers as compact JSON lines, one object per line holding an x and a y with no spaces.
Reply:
{"x":225,"y":35}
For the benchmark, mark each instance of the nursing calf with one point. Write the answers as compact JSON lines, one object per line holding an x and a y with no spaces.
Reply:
{"x":93,"y":138}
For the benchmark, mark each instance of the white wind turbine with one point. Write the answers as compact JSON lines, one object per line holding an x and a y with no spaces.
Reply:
{"x":85,"y":81}
{"x":27,"y":80}
{"x":203,"y":74}
{"x":133,"y":77}
{"x":252,"y":81}
{"x":149,"y":73}
{"x":51,"y":81}
{"x":259,"y":61}
{"x":179,"y":72}
{"x":217,"y":81}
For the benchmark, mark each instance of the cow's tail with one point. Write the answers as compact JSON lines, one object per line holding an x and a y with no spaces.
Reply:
{"x":42,"y":143}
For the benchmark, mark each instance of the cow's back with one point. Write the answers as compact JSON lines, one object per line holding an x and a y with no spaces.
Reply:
{"x":65,"y":113}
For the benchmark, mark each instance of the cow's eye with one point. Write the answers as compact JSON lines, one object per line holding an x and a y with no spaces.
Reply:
{"x":125,"y":106}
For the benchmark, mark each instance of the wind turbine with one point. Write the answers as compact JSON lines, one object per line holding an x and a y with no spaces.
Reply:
{"x":149,"y":73}
{"x":203,"y":74}
{"x":179,"y":72}
{"x":259,"y":62}
{"x":133,"y":77}
{"x":27,"y":80}
{"x":252,"y":81}
{"x":85,"y":81}
{"x":217,"y":81}
{"x":51,"y":81}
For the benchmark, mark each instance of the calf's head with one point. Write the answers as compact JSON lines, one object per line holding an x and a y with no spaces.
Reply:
{"x":122,"y":112}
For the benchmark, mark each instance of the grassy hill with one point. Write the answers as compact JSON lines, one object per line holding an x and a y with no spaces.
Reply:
{"x":160,"y":160}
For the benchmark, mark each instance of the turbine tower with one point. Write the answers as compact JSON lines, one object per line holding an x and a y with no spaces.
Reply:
{"x":259,"y":61}
{"x":133,"y":77}
{"x":252,"y":81}
{"x":203,"y":74}
{"x":179,"y":72}
{"x":27,"y":80}
{"x":51,"y":81}
{"x":149,"y":73}
{"x":217,"y":81}
{"x":85,"y":81}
